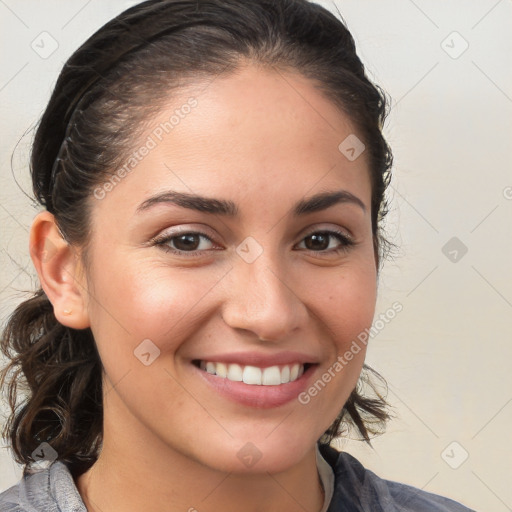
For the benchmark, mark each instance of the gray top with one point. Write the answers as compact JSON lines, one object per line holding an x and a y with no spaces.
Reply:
{"x":348,"y":487}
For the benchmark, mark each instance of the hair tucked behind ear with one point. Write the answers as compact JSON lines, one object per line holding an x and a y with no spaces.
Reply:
{"x":105,"y":94}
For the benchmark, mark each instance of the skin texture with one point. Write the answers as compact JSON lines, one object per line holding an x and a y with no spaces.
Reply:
{"x":264,"y":139}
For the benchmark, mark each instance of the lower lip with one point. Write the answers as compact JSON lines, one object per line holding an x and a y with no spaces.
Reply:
{"x":262,"y":397}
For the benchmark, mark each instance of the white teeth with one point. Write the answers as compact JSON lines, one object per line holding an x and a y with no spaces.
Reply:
{"x":271,"y":376}
{"x":253,"y":375}
{"x":285,"y":374}
{"x":221,"y":370}
{"x":294,"y":372}
{"x":234,"y":372}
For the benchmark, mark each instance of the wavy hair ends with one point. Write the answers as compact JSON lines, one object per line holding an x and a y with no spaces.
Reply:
{"x":60,"y":369}
{"x":108,"y":88}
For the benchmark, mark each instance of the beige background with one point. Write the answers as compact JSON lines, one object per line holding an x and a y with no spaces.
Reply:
{"x":447,"y":355}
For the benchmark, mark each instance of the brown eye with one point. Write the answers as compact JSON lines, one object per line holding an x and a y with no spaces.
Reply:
{"x":317,"y":242}
{"x":327,"y":241}
{"x":189,"y":242}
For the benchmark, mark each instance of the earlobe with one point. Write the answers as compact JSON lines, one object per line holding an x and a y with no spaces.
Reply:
{"x":60,"y":272}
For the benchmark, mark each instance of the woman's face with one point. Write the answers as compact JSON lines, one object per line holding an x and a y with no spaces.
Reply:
{"x":258,"y":282}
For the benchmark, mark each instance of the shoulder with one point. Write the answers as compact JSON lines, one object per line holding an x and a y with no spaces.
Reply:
{"x":359,"y":489}
{"x":51,"y":489}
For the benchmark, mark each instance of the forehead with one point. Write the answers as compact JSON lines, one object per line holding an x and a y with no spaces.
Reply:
{"x":258,"y":130}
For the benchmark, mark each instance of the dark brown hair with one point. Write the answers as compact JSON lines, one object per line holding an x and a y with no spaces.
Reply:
{"x":108,"y":88}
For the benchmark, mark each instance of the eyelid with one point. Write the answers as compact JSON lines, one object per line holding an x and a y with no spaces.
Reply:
{"x":164,"y":240}
{"x":328,"y":228}
{"x":180,"y":230}
{"x":345,"y":240}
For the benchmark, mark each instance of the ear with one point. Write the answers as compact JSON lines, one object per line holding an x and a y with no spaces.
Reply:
{"x":60,"y":271}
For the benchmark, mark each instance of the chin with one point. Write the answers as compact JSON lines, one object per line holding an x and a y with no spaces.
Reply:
{"x":258,"y":456}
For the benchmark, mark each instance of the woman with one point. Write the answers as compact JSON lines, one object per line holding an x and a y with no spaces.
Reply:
{"x":212,"y":175}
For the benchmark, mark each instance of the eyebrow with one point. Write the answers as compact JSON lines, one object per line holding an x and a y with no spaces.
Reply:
{"x":315,"y":203}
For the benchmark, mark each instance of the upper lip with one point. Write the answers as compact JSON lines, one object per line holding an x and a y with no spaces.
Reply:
{"x":260,"y":359}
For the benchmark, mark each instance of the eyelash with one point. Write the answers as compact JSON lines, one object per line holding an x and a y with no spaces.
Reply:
{"x":163,"y":241}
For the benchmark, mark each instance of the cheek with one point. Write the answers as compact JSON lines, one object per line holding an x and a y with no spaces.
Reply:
{"x":345,"y":302}
{"x":146,"y":301}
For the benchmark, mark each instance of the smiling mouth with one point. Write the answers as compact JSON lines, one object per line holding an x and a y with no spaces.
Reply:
{"x":254,"y":375}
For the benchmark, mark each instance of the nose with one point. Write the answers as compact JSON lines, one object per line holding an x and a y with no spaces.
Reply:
{"x":261,"y":300}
